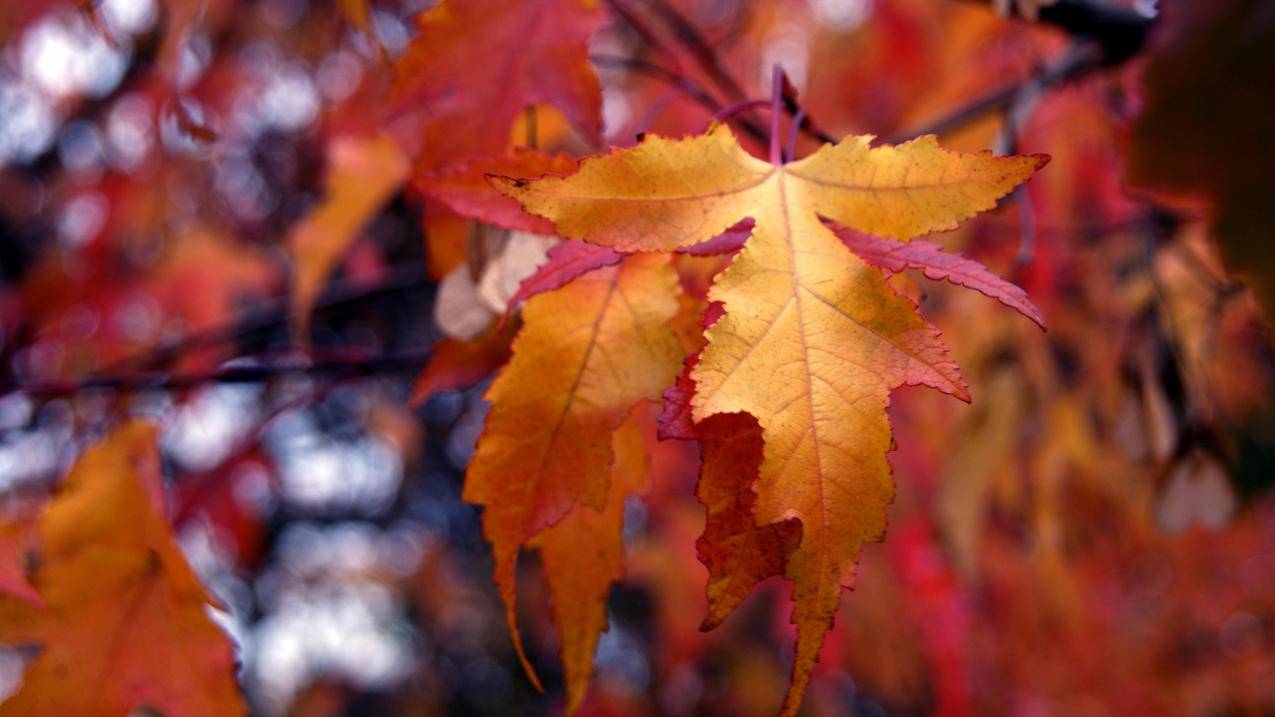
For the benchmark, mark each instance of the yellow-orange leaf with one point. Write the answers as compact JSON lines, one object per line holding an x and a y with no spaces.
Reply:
{"x":363,"y":172}
{"x":586,"y":354}
{"x":812,"y":340}
{"x":126,"y":627}
{"x":583,"y":554}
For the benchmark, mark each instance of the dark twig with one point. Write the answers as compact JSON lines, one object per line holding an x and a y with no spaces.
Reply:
{"x":272,"y":315}
{"x":706,"y":58}
{"x":695,"y":92}
{"x":635,"y":21}
{"x":1082,"y":58}
{"x":1017,"y":113}
{"x":681,"y":82}
{"x":375,"y":365}
{"x":703,"y":53}
{"x":1109,"y":33}
{"x":1118,"y":28}
{"x":963,"y":115}
{"x":659,"y":72}
{"x":208,"y":482}
{"x":735,"y":108}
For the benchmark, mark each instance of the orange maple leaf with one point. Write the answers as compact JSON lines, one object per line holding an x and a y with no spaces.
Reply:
{"x":126,"y":626}
{"x":812,"y":340}
{"x":584,"y":553}
{"x":586,"y":354}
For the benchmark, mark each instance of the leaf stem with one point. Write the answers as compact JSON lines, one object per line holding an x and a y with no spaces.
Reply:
{"x":776,"y":100}
{"x":735,"y":108}
{"x":531,"y":121}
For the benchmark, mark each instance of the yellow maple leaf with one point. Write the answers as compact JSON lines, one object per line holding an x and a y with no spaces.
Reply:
{"x":812,"y":340}
{"x":586,"y":354}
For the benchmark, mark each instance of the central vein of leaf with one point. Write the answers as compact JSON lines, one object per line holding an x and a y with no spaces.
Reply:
{"x":575,"y":383}
{"x":790,"y":242}
{"x":118,"y":639}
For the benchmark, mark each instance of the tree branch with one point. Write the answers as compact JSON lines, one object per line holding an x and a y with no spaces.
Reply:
{"x":1106,"y":35}
{"x":679,"y":81}
{"x":272,"y":315}
{"x":362,"y":367}
{"x":1082,"y":58}
{"x":706,"y":59}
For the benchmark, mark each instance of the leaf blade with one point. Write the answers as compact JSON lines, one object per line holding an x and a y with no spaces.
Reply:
{"x":546,"y":445}
{"x":895,"y":256}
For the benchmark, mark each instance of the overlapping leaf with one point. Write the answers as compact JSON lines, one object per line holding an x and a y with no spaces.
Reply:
{"x":570,"y":259}
{"x":738,"y":552}
{"x":457,"y":364}
{"x":812,"y":340}
{"x":463,"y":187}
{"x":583,"y":554}
{"x":895,"y":256}
{"x":587,"y":353}
{"x":476,"y":64}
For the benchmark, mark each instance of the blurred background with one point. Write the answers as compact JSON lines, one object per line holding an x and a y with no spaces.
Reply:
{"x":1094,"y":535}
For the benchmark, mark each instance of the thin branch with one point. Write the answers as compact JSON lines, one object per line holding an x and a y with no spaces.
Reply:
{"x":1017,"y":113}
{"x":695,"y":92}
{"x":271,"y":315}
{"x":1120,"y":30}
{"x":735,"y":108}
{"x":1080,"y":59}
{"x":703,"y":53}
{"x":371,"y":366}
{"x":706,"y":58}
{"x":210,"y":480}
{"x":1111,"y":34}
{"x":965,"y":114}
{"x":635,"y":21}
{"x":681,"y":82}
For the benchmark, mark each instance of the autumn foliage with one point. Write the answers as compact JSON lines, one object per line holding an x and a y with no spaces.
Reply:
{"x":662,"y":291}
